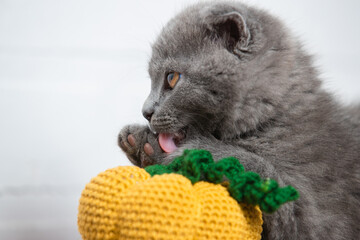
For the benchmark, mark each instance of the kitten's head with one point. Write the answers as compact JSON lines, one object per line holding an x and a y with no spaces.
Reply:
{"x":219,"y":68}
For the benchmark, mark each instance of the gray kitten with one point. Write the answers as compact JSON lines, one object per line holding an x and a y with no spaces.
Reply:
{"x":231,"y":79}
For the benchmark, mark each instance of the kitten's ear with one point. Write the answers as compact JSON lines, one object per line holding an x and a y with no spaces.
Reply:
{"x":231,"y":28}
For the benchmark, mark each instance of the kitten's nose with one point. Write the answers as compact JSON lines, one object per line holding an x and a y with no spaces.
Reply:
{"x":148,"y":114}
{"x":150,"y":106}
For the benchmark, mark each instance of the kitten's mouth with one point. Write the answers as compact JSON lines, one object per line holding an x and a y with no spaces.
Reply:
{"x":169,"y":142}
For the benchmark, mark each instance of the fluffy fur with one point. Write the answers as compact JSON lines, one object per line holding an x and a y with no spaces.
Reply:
{"x":249,"y":90}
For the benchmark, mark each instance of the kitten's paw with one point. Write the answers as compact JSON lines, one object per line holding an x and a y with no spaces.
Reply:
{"x":140,"y":145}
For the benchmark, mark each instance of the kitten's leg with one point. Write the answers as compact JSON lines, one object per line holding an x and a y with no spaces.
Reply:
{"x":140,"y":145}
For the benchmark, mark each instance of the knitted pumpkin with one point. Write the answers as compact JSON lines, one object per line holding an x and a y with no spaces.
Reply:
{"x":183,"y":200}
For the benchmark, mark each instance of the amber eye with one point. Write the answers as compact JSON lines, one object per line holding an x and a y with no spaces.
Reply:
{"x":172,"y":78}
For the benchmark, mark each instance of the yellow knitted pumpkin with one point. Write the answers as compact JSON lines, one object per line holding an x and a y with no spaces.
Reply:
{"x":125,"y":203}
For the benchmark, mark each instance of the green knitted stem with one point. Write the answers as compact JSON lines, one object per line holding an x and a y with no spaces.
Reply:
{"x":247,"y":187}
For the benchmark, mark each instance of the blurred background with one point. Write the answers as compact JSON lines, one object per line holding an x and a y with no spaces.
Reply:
{"x":72,"y":73}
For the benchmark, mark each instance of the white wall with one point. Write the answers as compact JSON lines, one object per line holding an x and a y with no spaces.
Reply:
{"x":72,"y":73}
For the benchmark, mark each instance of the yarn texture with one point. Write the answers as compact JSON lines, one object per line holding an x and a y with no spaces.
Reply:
{"x":100,"y":202}
{"x":186,"y":200}
{"x":248,"y":187}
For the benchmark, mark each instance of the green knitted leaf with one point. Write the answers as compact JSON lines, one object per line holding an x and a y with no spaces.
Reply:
{"x":248,"y":187}
{"x":157,"y":169}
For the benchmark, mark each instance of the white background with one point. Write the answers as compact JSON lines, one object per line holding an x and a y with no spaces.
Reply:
{"x":72,"y":73}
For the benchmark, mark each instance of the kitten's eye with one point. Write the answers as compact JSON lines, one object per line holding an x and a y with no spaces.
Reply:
{"x":172,"y":78}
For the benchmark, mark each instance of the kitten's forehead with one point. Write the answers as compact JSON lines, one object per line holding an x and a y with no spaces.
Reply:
{"x":178,"y":42}
{"x":188,"y":32}
{"x":193,"y":34}
{"x":179,"y":38}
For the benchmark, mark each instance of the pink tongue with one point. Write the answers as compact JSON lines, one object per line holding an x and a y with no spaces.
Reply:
{"x":167,"y":143}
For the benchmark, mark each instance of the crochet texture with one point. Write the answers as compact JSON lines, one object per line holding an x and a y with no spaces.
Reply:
{"x":125,"y":203}
{"x":245,"y":187}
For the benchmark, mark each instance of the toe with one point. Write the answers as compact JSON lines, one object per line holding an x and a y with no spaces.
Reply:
{"x":125,"y":146}
{"x":131,"y":140}
{"x":148,"y":149}
{"x":122,"y":145}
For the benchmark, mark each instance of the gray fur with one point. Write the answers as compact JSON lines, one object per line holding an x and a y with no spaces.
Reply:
{"x":253,"y":93}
